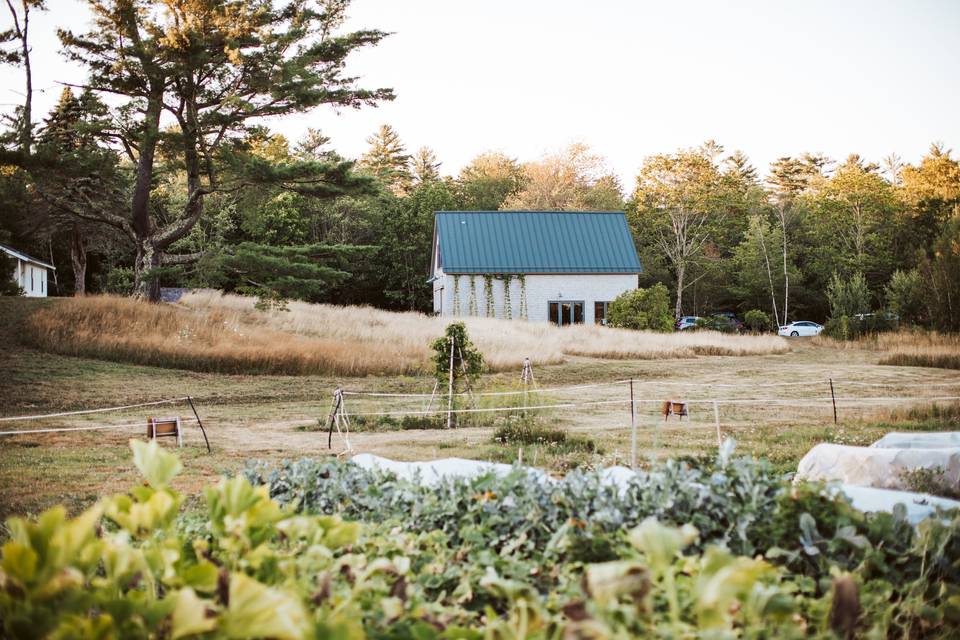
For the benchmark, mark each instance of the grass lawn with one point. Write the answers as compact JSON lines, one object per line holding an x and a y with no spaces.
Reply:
{"x":276,"y":417}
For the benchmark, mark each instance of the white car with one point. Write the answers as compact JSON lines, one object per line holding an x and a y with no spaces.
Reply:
{"x":801,"y":328}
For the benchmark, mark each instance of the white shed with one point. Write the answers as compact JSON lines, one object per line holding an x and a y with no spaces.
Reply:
{"x":563,"y":267}
{"x":29,"y":273}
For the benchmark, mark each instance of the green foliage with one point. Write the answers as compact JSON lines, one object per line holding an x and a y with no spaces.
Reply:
{"x":119,"y":280}
{"x":642,"y":309}
{"x":848,"y":296}
{"x":8,"y":268}
{"x":467,"y":360}
{"x":757,"y":321}
{"x":905,"y":296}
{"x":126,"y":568}
{"x":298,"y":272}
{"x":941,"y":274}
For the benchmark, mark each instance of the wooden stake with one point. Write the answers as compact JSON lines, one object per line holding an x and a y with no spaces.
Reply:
{"x":716,"y":419}
{"x":450,"y":390}
{"x":834,"y":399}
{"x":337,"y":399}
{"x":633,"y":429}
{"x":197,"y":416}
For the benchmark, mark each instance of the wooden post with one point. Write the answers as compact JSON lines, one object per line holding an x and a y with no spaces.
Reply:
{"x":833,"y":397}
{"x":633,"y":429}
{"x":716,"y":419}
{"x":197,"y":416}
{"x":337,"y":398}
{"x":450,"y":389}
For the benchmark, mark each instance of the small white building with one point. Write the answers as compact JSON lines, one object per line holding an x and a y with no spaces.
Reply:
{"x":563,"y":267}
{"x":30,"y":273}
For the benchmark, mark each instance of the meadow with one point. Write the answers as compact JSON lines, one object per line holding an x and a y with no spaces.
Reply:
{"x":237,"y":364}
{"x":227,"y":334}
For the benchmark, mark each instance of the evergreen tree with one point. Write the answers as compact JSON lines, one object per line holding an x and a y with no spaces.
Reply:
{"x":387,"y":160}
{"x":426,"y":167}
{"x":216,"y":69}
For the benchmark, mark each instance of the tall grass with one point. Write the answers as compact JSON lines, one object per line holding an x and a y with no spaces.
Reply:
{"x":914,"y":348}
{"x":208,"y":331}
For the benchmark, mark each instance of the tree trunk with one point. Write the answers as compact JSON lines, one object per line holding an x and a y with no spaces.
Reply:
{"x":786,"y":273}
{"x":766,"y":260}
{"x":78,"y":258}
{"x":146,"y":287}
{"x":681,"y":269}
{"x":148,"y":257}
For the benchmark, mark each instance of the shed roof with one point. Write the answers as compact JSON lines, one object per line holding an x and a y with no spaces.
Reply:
{"x":535,"y":242}
{"x":26,"y":258}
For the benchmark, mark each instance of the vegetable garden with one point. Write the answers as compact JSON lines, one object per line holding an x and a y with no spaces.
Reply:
{"x":326,"y":549}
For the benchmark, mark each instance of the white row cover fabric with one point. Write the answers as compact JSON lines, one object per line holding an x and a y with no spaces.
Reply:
{"x":899,"y":440}
{"x":875,"y":467}
{"x":919,"y":505}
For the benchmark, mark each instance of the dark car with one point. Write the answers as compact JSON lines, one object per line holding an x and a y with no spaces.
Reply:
{"x":726,"y":321}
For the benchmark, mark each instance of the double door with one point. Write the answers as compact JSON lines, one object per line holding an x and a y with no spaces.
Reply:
{"x":566,"y":313}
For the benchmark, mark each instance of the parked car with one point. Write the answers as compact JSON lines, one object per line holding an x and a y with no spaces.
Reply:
{"x":801,"y":328}
{"x":726,"y":321}
{"x":686,"y":322}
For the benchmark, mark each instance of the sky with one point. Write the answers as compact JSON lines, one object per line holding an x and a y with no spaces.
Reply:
{"x":630,"y":79}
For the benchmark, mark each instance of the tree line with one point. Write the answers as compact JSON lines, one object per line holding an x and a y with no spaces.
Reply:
{"x":159,"y":169}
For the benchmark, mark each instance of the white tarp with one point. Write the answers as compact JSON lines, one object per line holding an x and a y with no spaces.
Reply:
{"x":899,"y":440}
{"x":432,"y":472}
{"x":919,"y":505}
{"x":875,"y":467}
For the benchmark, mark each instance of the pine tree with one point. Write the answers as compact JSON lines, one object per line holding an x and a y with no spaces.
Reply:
{"x":388,"y":160}
{"x":426,"y":167}
{"x":217,"y":69}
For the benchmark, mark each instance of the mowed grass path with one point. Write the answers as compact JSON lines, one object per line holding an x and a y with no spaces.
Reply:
{"x":265,"y":416}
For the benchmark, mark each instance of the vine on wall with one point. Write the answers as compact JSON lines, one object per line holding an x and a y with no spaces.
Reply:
{"x":456,"y":295}
{"x":523,"y":296}
{"x":507,"y":303}
{"x":472,"y":304}
{"x":491,"y":309}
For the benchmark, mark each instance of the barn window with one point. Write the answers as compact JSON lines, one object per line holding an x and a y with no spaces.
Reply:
{"x":600,"y":312}
{"x":565,"y":313}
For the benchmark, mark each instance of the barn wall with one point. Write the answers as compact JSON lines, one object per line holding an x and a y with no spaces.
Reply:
{"x":31,"y":278}
{"x":540,"y":290}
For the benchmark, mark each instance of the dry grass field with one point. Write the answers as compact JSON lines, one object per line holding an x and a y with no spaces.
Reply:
{"x":212,"y":332}
{"x":774,"y":395}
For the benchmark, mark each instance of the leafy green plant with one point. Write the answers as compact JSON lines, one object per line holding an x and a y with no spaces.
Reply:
{"x":757,"y":321}
{"x":642,"y":309}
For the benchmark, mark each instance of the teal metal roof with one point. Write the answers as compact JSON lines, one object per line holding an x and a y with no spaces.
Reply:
{"x":535,"y":242}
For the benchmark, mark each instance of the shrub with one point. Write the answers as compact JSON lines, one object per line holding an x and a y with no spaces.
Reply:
{"x":643,"y":309}
{"x":848,"y":296}
{"x":904,"y":294}
{"x":757,"y":320}
{"x":8,"y":267}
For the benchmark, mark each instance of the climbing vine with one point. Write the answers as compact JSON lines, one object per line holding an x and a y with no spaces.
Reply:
{"x":456,"y":295}
{"x":491,"y":309}
{"x":472,"y":304}
{"x":507,"y":303}
{"x":523,"y":296}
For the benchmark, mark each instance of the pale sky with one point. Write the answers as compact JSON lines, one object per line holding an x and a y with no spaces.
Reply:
{"x":630,"y":79}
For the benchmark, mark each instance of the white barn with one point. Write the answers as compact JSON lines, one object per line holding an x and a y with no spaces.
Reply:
{"x":562,"y":267}
{"x":29,"y":273}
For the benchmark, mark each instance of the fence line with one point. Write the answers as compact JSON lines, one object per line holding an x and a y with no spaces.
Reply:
{"x":89,"y":411}
{"x":812,"y":402}
{"x":94,"y":428}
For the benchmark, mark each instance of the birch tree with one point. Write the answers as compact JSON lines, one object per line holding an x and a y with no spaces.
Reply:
{"x":677,"y":201}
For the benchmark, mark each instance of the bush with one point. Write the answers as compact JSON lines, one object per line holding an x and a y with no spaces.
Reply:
{"x":904,"y":294}
{"x":848,"y":296}
{"x":757,"y":320}
{"x":643,"y":309}
{"x":8,"y":267}
{"x":850,"y":328}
